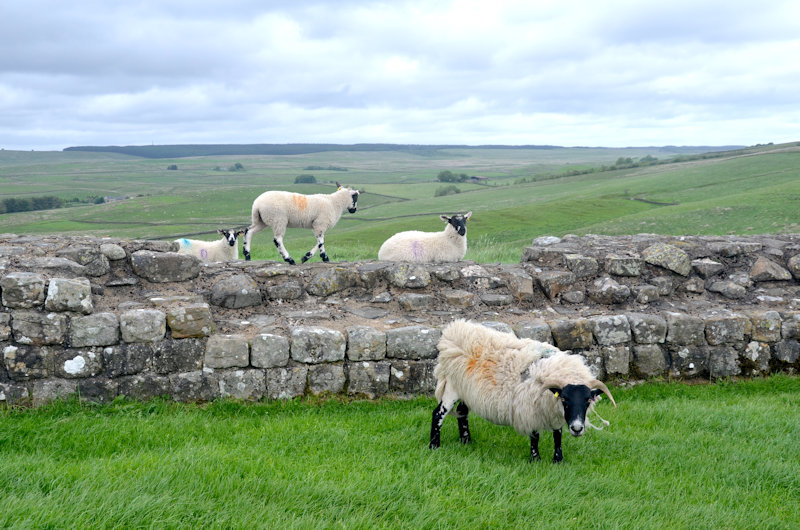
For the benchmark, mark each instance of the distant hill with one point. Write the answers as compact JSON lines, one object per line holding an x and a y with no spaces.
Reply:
{"x":181,"y":151}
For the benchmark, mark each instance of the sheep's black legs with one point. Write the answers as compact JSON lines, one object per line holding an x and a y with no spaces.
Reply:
{"x":462,"y":413}
{"x":535,"y":447}
{"x":284,"y":253}
{"x":436,"y":425}
{"x":557,"y":455}
{"x":321,"y":246}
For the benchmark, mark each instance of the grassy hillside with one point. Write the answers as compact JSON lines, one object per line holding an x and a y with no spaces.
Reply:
{"x":529,"y":192}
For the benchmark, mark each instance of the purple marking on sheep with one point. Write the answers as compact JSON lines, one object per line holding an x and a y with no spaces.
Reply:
{"x":417,"y":250}
{"x":204,"y":253}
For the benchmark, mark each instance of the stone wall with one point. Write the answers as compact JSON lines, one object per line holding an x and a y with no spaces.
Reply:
{"x":109,"y":317}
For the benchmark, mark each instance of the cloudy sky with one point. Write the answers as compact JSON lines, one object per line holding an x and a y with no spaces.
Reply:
{"x":596,"y":73}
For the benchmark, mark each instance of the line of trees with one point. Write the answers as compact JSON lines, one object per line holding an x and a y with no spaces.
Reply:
{"x":27,"y":204}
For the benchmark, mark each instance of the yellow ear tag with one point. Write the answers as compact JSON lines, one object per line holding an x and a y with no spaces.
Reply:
{"x":555,"y":394}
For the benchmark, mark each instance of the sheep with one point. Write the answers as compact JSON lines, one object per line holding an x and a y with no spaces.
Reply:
{"x":224,"y":249}
{"x":447,"y":245}
{"x":530,"y":385}
{"x":282,"y":209}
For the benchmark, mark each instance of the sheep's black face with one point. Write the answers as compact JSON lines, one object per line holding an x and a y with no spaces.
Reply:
{"x":354,"y":197}
{"x":458,"y":222}
{"x":576,"y":400}
{"x":230,"y":236}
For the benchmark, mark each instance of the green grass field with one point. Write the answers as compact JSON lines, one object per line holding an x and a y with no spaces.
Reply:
{"x":528,"y":194}
{"x":721,"y":455}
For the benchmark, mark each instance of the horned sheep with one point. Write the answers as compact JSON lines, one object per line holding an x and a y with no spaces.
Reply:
{"x":224,"y":249}
{"x":447,"y":245}
{"x":530,"y":385}
{"x":281,"y":209}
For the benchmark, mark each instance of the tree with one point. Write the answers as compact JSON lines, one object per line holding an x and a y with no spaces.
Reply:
{"x":305,"y":179}
{"x":172,"y":167}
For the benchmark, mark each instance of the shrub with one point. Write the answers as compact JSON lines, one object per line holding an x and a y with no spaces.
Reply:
{"x":446,"y":190}
{"x":305,"y":179}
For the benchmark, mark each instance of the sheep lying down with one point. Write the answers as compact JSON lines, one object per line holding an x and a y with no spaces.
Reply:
{"x":529,"y":385}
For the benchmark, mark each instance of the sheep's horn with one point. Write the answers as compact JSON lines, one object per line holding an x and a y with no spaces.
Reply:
{"x":596,"y":383}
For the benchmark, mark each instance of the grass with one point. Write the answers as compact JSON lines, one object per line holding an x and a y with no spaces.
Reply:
{"x":676,"y":456}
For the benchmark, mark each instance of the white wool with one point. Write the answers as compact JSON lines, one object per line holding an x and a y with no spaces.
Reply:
{"x":217,"y":250}
{"x":415,"y":245}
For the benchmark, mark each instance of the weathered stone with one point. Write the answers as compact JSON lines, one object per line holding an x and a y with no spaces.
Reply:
{"x":766,"y":270}
{"x":69,"y":295}
{"x":594,"y":360}
{"x":663,"y":284}
{"x":127,"y":359}
{"x":27,"y":362}
{"x":759,"y":354}
{"x":144,"y":386}
{"x":723,"y":361}
{"x":616,"y":358}
{"x":193,"y":386}
{"x":649,"y":359}
{"x":286,"y":382}
{"x":571,"y":334}
{"x":520,"y":284}
{"x":192,"y":320}
{"x":790,"y":327}
{"x":475,"y":277}
{"x":415,"y":301}
{"x":249,"y":384}
{"x":100,"y":329}
{"x":581,"y":266}
{"x":446,"y":272}
{"x":412,"y":377}
{"x":647,"y":328}
{"x":161,"y":267}
{"x":646,"y":294}
{"x":37,"y":329}
{"x":46,"y":391}
{"x":610,"y":330}
{"x":546,"y":241}
{"x":151,"y":245}
{"x":143,"y":325}
{"x":317,"y":345}
{"x":689,"y":360}
{"x":331,"y":281}
{"x":766,"y":326}
{"x":60,"y":266}
{"x":368,"y":312}
{"x":458,"y":298}
{"x":112,"y":251}
{"x":694,"y":285}
{"x":495,"y":300}
{"x":623,"y":265}
{"x":269,"y":351}
{"x":5,"y":326}
{"x":554,"y":283}
{"x":728,"y":289}
{"x":543,"y":255}
{"x":365,"y":344}
{"x":725,"y":329}
{"x":285,"y":291}
{"x":326,"y":378}
{"x":668,"y":257}
{"x":92,"y":258}
{"x":236,"y":292}
{"x":370,"y":274}
{"x":707,"y":268}
{"x":22,"y":290}
{"x":181,"y":355}
{"x":97,"y":389}
{"x":794,"y":266}
{"x":412,"y":342}
{"x":227,"y":351}
{"x":726,"y":249}
{"x":12,"y":393}
{"x":71,"y":364}
{"x":683,"y":329}
{"x":608,"y":291}
{"x":787,"y":351}
{"x":408,"y":276}
{"x":368,"y":378}
{"x":574,"y":297}
{"x":534,"y":329}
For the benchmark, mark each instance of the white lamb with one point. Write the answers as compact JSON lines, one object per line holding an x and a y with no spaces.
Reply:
{"x":224,"y":249}
{"x":447,"y":245}
{"x":282,"y":209}
{"x":529,"y":385}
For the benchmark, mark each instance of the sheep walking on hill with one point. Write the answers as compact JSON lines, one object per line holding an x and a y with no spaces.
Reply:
{"x":529,"y":385}
{"x":447,"y":245}
{"x":224,"y":249}
{"x":282,"y":209}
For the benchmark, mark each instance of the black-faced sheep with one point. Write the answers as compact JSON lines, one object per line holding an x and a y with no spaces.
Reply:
{"x":282,"y":209}
{"x":447,"y":245}
{"x":529,"y":385}
{"x":224,"y":249}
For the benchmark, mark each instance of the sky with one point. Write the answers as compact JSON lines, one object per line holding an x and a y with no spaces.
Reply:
{"x":609,"y":73}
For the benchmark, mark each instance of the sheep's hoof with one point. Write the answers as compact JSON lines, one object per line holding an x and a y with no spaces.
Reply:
{"x":306,"y":257}
{"x":290,"y":261}
{"x":324,"y":257}
{"x":535,"y":458}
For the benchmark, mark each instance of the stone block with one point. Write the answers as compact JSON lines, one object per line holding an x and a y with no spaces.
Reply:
{"x":646,"y":294}
{"x":289,"y":290}
{"x":766,"y":270}
{"x":408,"y":276}
{"x":683,"y":329}
{"x":37,"y":329}
{"x":723,"y":361}
{"x":249,"y":384}
{"x":189,"y":321}
{"x":5,"y":326}
{"x":193,"y":386}
{"x":227,"y":351}
{"x":46,"y":391}
{"x":534,"y":329}
{"x":177,"y":355}
{"x":143,"y":325}
{"x":368,"y":378}
{"x":69,"y":295}
{"x":758,"y":353}
{"x":728,"y":289}
{"x":93,"y":259}
{"x":623,"y":265}
{"x":126,"y":359}
{"x":326,"y":378}
{"x":415,"y":301}
{"x":726,"y":329}
{"x":794,"y":266}
{"x":72,"y":364}
{"x":520,"y":284}
{"x":27,"y":362}
{"x":458,"y":298}
{"x":766,"y":326}
{"x":144,"y":386}
{"x":412,"y":342}
{"x":610,"y":330}
{"x":162,"y":267}
{"x":668,"y":257}
{"x":706,"y":268}
{"x":496,"y":300}
{"x":616,"y":359}
{"x":269,"y":351}
{"x":236,"y":292}
{"x":649,"y":359}
{"x":112,"y":251}
{"x":317,"y":345}
{"x":286,"y":382}
{"x":13,"y":393}
{"x":787,"y":351}
{"x":412,"y":377}
{"x":22,"y":290}
{"x":332,"y":280}
{"x":581,"y":266}
{"x":554,"y":283}
{"x":365,"y":344}
{"x":608,"y":291}
{"x":571,"y":334}
{"x":688,"y":360}
{"x":99,"y":329}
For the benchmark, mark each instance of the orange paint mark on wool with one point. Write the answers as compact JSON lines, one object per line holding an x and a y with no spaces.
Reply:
{"x":300,"y":201}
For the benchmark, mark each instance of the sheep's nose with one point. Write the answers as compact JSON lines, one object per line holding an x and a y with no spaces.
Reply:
{"x":576,"y":429}
{"x":351,"y":210}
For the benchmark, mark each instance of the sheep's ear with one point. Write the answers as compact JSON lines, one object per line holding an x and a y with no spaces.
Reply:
{"x":444,"y":218}
{"x":555,"y":390}
{"x":596,"y":394}
{"x":220,"y":231}
{"x":468,"y":215}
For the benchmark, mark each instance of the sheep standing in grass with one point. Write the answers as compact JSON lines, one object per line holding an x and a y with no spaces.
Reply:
{"x":224,"y":249}
{"x":281,"y":209}
{"x":529,"y":385}
{"x":447,"y":245}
